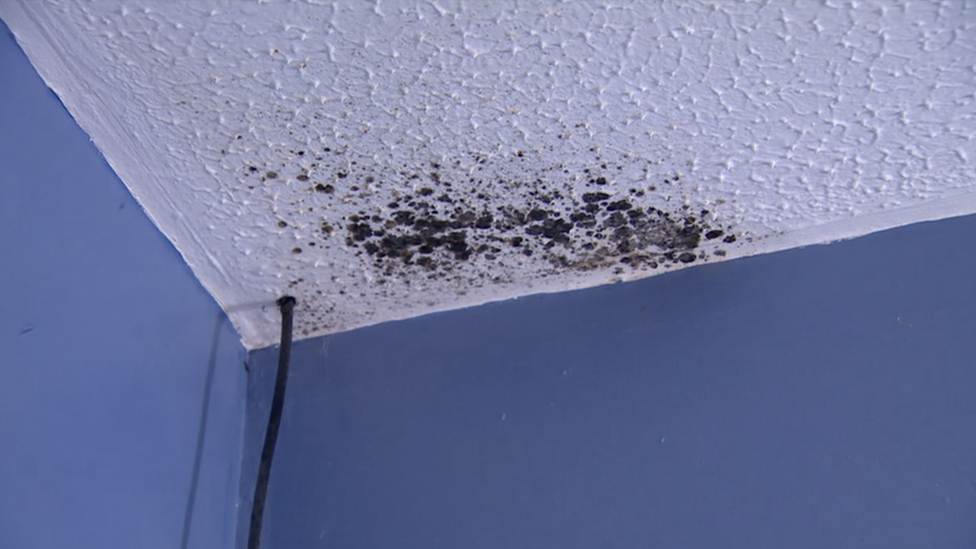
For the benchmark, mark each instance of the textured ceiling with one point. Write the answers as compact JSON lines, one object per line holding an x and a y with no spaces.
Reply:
{"x":386,"y":159}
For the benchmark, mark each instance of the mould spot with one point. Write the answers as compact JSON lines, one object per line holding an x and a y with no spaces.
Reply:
{"x":591,"y":198}
{"x":494,"y":221}
{"x":484,"y":222}
{"x":403,"y":217}
{"x":616,"y":219}
{"x":271,"y":175}
{"x":359,"y":231}
{"x":554,"y":229}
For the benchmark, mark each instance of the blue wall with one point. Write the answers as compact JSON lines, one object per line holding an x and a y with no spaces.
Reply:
{"x":820,"y":397}
{"x":107,"y":347}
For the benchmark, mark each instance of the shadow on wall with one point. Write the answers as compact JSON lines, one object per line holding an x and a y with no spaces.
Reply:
{"x":818,"y":397}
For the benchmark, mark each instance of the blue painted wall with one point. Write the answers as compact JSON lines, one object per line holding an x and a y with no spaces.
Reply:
{"x":820,"y":397}
{"x":108,"y":349}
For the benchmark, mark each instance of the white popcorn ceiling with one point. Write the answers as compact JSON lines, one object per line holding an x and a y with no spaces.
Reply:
{"x":389,"y":159}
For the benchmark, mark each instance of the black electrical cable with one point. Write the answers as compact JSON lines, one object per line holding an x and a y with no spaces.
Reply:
{"x":287,"y":306}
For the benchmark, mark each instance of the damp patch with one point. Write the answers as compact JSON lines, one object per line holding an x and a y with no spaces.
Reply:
{"x":434,"y":230}
{"x":453,"y":225}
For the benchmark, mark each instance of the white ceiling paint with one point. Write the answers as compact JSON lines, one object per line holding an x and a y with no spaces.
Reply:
{"x":388,"y":159}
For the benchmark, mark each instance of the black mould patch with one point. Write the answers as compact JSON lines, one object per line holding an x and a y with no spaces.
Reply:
{"x":433,"y":230}
{"x":413,"y":223}
{"x":485,"y":220}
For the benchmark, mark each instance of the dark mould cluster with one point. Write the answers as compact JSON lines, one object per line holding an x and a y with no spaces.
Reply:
{"x":434,"y":229}
{"x":428,"y":224}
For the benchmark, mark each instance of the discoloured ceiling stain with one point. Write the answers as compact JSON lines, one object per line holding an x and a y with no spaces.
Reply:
{"x":470,"y":221}
{"x":435,"y":228}
{"x":380,"y":160}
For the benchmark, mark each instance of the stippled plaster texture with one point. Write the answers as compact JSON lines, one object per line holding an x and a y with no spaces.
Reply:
{"x":379,"y":160}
